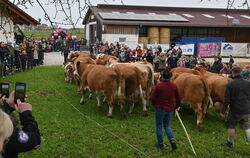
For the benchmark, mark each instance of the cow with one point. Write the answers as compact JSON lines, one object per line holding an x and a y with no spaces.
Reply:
{"x":134,"y":80}
{"x":103,"y":80}
{"x":79,"y":70}
{"x":68,"y":72}
{"x":106,"y":59}
{"x":184,"y":70}
{"x":217,"y":86}
{"x":194,"y":90}
{"x":146,"y":82}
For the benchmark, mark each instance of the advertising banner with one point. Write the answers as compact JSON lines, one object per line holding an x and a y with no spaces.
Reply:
{"x":234,"y":49}
{"x":153,"y":47}
{"x":187,"y":49}
{"x":209,"y":49}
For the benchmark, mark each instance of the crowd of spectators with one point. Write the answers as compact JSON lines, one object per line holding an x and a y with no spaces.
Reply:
{"x":170,"y":58}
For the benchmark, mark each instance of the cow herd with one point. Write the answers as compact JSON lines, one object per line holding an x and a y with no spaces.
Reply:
{"x":119,"y":83}
{"x":103,"y":75}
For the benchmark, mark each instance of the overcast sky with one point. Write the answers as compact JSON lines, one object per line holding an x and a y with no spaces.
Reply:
{"x":37,"y":12}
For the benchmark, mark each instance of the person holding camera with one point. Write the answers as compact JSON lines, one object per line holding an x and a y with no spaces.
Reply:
{"x":166,"y":99}
{"x":12,"y":139}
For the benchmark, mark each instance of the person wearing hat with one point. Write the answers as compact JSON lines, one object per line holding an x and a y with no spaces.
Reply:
{"x":237,"y":99}
{"x":166,"y":99}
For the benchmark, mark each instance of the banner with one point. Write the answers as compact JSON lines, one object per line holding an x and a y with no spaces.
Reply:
{"x":209,"y":49}
{"x":187,"y":49}
{"x":234,"y":49}
{"x":153,"y":47}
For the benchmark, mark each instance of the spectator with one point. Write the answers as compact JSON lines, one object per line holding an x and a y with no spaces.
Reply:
{"x":139,"y":53}
{"x":217,"y":65}
{"x":245,"y":73}
{"x":14,"y":140}
{"x":237,"y":99}
{"x":225,"y":71}
{"x":164,"y":98}
{"x":172,"y":61}
{"x":65,"y":52}
{"x":231,"y":61}
{"x":162,"y":62}
{"x":193,"y":62}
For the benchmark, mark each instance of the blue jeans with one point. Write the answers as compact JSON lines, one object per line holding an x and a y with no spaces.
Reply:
{"x":163,"y":117}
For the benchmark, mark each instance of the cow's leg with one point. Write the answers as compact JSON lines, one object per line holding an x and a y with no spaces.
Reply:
{"x":131,"y":108}
{"x":82,"y":99}
{"x":200,"y":115}
{"x":144,"y":102}
{"x":104,"y":100}
{"x":217,"y":106}
{"x":110,"y":114}
{"x":123,"y":115}
{"x":98,"y":101}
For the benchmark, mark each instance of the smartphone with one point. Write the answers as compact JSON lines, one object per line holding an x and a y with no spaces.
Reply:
{"x":20,"y":91}
{"x":5,"y":88}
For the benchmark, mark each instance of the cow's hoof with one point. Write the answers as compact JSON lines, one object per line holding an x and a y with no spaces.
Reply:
{"x":123,"y":116}
{"x":109,"y":116}
{"x":82,"y":102}
{"x":145,"y":113}
{"x":200,"y":128}
{"x":99,"y":107}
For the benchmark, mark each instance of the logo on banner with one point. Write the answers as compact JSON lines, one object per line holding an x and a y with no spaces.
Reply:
{"x":228,"y":47}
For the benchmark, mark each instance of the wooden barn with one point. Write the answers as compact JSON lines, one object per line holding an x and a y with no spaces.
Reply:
{"x":163,"y":25}
{"x":11,"y":15}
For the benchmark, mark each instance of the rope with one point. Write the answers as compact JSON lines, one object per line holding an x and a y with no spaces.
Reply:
{"x":178,"y":116}
{"x":98,"y":124}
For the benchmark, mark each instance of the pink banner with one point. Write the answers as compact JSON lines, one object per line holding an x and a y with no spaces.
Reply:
{"x":209,"y":49}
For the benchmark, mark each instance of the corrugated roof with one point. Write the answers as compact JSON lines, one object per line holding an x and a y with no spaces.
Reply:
{"x":197,"y":17}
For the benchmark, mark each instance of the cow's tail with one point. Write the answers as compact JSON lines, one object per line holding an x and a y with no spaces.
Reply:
{"x":142,"y":82}
{"x":207,"y":99}
{"x":76,"y":75}
{"x":121,"y":83}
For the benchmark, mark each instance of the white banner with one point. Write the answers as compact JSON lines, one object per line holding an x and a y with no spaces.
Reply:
{"x":187,"y":49}
{"x":234,"y":49}
{"x":153,"y":47}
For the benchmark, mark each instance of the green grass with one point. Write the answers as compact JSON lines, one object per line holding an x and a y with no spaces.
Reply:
{"x":39,"y":34}
{"x":67,"y":133}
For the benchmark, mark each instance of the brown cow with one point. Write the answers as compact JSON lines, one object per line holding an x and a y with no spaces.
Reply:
{"x":103,"y":80}
{"x":184,"y":70}
{"x":68,"y":72}
{"x":217,"y":85}
{"x":79,"y":70}
{"x":194,"y":90}
{"x":133,"y":80}
{"x":106,"y":59}
{"x":147,"y":81}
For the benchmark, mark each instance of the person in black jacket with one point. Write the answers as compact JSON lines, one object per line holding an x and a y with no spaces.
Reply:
{"x":20,"y":140}
{"x":217,"y":66}
{"x":237,"y":97}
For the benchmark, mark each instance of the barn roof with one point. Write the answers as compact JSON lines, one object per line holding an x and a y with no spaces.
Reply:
{"x":16,"y":14}
{"x":169,"y":16}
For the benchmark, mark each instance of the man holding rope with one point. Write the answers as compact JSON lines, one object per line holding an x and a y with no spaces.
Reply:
{"x":237,"y":97}
{"x":162,"y":98}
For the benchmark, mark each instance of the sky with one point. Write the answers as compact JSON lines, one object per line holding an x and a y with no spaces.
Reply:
{"x":36,"y":12}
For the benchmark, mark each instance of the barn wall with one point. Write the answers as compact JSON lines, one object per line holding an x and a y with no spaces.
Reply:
{"x":8,"y":36}
{"x":130,"y":39}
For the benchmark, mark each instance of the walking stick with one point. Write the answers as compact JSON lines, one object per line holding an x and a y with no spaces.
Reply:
{"x":178,"y":116}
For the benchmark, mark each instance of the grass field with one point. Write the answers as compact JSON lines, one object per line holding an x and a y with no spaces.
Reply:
{"x":70,"y":130}
{"x":39,"y":34}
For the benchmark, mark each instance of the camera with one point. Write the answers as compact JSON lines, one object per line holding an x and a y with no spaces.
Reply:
{"x":5,"y":89}
{"x":20,"y":91}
